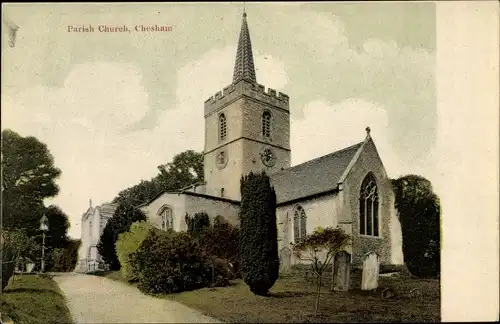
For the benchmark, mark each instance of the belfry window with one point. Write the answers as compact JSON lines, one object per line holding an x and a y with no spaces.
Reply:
{"x":299,"y":223}
{"x":266,"y":124}
{"x":167,"y":218}
{"x":222,"y":127}
{"x":368,"y":207}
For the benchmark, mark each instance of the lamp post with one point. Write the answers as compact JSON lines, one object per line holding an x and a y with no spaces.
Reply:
{"x":44,"y":226}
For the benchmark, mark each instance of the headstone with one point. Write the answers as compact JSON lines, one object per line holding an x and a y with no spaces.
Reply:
{"x":341,"y":271}
{"x":30,"y":267}
{"x":285,"y":259}
{"x":369,"y":280}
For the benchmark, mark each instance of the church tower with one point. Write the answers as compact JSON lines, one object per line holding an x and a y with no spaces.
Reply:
{"x":246,"y":127}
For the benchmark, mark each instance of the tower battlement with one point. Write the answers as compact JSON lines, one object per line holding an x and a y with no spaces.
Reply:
{"x":251,"y":90}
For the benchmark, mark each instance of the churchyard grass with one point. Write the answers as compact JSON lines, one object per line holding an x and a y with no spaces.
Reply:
{"x":34,"y":299}
{"x":292,"y":300}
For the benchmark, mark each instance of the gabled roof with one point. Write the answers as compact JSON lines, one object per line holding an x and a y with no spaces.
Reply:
{"x":189,"y":193}
{"x":314,"y":177}
{"x":107,"y":209}
{"x":89,"y":211}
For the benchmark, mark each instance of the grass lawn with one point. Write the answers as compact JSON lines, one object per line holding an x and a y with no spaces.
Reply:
{"x":34,"y":299}
{"x":292,"y":300}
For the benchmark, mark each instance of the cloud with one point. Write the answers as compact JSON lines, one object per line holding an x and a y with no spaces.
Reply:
{"x":333,"y":127}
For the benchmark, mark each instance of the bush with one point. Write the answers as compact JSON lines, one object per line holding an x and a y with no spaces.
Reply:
{"x":128,"y":243}
{"x":9,"y":253}
{"x":221,"y":241}
{"x":197,"y":224}
{"x":170,"y":262}
{"x":258,"y":234}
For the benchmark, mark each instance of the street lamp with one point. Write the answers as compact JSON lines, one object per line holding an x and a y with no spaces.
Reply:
{"x":44,"y":227}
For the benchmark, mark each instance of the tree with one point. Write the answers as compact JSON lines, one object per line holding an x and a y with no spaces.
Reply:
{"x":29,"y":176}
{"x":138,"y":194}
{"x":125,"y":214}
{"x":58,"y":227}
{"x":185,"y":169}
{"x":419,"y":214}
{"x":258,"y":234}
{"x":319,"y":248}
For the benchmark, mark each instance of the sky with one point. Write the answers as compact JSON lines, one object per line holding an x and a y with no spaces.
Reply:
{"x":111,"y":107}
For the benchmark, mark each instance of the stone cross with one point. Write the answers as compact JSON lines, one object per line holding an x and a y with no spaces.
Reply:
{"x":369,"y":280}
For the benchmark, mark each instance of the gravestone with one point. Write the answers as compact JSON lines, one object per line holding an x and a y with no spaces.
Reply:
{"x":369,"y":280}
{"x":285,"y":259}
{"x":341,"y":271}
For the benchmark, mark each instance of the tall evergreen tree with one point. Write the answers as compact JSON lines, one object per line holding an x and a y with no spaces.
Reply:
{"x":420,"y":215}
{"x":258,"y":234}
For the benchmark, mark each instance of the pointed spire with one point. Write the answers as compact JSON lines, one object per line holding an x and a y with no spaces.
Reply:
{"x":244,"y":67}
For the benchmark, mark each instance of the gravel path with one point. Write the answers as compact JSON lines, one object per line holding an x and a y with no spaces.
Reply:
{"x":93,"y":299}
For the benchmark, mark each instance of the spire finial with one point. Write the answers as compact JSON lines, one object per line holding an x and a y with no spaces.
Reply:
{"x":244,"y":68}
{"x":367,"y":130}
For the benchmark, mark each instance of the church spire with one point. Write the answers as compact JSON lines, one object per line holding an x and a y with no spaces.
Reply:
{"x":244,"y":68}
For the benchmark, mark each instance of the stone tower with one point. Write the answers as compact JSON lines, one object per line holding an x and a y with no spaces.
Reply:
{"x":246,"y":127}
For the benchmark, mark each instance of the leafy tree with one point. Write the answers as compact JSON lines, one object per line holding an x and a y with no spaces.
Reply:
{"x":58,"y":227}
{"x":197,"y":224}
{"x":28,"y":177}
{"x":125,"y":214}
{"x":319,"y":248}
{"x":419,"y":214}
{"x":185,"y":169}
{"x":138,"y":194}
{"x":258,"y":235}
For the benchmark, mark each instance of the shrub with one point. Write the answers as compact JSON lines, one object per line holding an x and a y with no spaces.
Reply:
{"x":197,"y":224}
{"x":258,"y":236}
{"x":170,"y":262}
{"x":128,"y":243}
{"x":9,"y":253}
{"x":221,"y":241}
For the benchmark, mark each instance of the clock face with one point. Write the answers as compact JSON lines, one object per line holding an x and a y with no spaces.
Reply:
{"x":268,"y":157}
{"x":221,"y":159}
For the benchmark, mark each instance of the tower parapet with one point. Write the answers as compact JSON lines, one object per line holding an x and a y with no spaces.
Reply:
{"x":243,"y":88}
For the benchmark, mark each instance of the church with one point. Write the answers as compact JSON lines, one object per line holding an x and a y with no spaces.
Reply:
{"x":247,"y":129}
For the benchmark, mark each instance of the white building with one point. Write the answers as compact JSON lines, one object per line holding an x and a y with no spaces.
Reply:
{"x":93,"y":222}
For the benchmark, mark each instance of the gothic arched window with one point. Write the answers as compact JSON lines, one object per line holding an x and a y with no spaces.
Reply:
{"x":166,"y":218}
{"x":266,"y":124}
{"x":368,"y":207}
{"x":222,"y":127}
{"x":90,"y":228}
{"x":299,"y":223}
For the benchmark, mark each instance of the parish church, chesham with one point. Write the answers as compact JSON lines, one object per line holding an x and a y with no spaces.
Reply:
{"x":247,"y":129}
